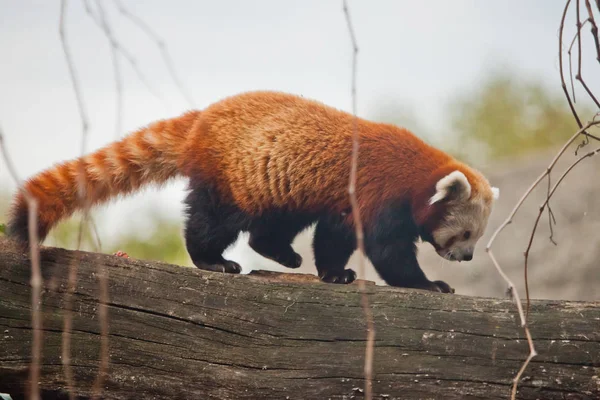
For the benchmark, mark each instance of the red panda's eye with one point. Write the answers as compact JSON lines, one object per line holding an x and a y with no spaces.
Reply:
{"x":467,"y":235}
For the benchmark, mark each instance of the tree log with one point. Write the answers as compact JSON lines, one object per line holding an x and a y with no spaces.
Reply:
{"x":177,"y":332}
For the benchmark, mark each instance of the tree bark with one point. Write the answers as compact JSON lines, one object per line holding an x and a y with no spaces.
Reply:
{"x":177,"y":332}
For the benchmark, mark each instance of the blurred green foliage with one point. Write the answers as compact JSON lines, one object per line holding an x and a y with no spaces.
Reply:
{"x":511,"y":117}
{"x":164,"y":242}
{"x":504,"y":116}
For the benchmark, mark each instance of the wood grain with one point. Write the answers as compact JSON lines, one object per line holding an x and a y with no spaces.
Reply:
{"x":179,"y":332}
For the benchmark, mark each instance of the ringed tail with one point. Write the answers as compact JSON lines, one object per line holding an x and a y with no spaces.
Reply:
{"x":150,"y":155}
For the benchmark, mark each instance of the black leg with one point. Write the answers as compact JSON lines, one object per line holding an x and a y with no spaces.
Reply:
{"x":390,"y":245}
{"x":333,"y":245}
{"x":397,"y":265}
{"x":271,"y":236}
{"x":211,"y":227}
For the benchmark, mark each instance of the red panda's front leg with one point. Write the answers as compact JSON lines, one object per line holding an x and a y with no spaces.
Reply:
{"x":390,"y":245}
{"x":396,"y":263}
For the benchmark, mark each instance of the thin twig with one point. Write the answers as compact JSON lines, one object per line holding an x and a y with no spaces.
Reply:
{"x":570,"y":62}
{"x":509,"y":219}
{"x":160,"y":44}
{"x":116,"y":67}
{"x":538,"y":180}
{"x":81,"y":190}
{"x":73,"y":267}
{"x":560,"y":63}
{"x":543,"y":206}
{"x":579,"y":76}
{"x":73,"y":75}
{"x":103,"y":318}
{"x":368,"y":366}
{"x":515,"y":295}
{"x":594,"y":27}
{"x":36,"y":275}
{"x":562,"y":76}
{"x":124,"y":52}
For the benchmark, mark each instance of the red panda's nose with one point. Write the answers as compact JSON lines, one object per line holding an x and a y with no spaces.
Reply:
{"x":468,"y":257}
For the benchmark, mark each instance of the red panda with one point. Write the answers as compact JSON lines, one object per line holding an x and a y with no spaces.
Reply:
{"x":272,"y":164}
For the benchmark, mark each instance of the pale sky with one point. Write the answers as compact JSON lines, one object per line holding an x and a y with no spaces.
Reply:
{"x":418,"y":53}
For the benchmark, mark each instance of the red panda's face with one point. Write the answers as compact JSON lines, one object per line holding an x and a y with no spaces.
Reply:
{"x":463,"y":216}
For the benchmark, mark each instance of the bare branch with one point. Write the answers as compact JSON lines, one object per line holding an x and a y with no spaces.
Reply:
{"x":119,"y":48}
{"x":543,"y":206}
{"x":73,"y":75}
{"x":562,"y":76}
{"x":594,"y":27}
{"x":161,"y":45}
{"x":368,"y":366}
{"x":68,"y":316}
{"x":116,"y":66}
{"x":508,"y":221}
{"x":579,"y":76}
{"x":36,"y":276}
{"x":575,"y":37}
{"x":515,"y":295}
{"x":538,"y":180}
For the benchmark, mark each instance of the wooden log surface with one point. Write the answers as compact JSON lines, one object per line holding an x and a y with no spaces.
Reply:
{"x":182,"y":333}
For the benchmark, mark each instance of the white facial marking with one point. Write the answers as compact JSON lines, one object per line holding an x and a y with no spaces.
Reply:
{"x":454,"y":184}
{"x":464,"y":224}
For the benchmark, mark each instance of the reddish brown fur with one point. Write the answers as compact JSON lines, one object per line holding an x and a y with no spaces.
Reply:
{"x":261,"y":150}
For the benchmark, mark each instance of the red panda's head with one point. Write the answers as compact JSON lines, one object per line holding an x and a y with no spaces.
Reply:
{"x":453,"y":211}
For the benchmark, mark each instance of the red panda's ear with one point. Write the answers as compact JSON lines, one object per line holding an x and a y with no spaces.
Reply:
{"x":454,"y":186}
{"x":496,"y":192}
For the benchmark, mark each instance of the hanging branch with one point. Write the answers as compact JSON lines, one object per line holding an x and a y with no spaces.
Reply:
{"x":36,"y":275}
{"x":547,"y":173}
{"x":161,"y":46}
{"x":368,"y":365}
{"x":118,"y":47}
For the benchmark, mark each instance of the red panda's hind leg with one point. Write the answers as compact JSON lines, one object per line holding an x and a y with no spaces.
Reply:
{"x":212,"y":226}
{"x":333,"y":244}
{"x":272,"y":234}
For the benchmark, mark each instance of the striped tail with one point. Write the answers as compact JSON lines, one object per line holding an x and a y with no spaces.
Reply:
{"x":150,"y":155}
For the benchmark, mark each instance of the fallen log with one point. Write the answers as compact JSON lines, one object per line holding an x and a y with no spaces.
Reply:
{"x":177,"y":332}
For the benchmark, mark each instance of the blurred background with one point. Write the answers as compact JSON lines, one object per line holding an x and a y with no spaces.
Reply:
{"x":478,"y":79}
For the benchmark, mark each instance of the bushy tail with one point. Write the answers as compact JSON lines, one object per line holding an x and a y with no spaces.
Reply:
{"x":150,"y":155}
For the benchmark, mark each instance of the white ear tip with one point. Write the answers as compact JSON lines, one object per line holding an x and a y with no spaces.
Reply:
{"x":496,"y":192}
{"x":444,"y":185}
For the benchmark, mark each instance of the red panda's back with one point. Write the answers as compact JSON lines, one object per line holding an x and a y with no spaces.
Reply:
{"x":269,"y":150}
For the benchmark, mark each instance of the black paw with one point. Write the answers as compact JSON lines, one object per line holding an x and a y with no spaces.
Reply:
{"x":345,"y":276}
{"x":230,"y":267}
{"x":284,"y":255}
{"x":289,"y":259}
{"x":441,"y":286}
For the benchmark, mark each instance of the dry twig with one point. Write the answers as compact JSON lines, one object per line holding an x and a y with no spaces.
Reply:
{"x":36,"y":276}
{"x":81,"y":190}
{"x":368,"y":366}
{"x":547,"y":173}
{"x":101,"y":21}
{"x":579,"y":76}
{"x":160,"y":44}
{"x":594,"y":27}
{"x":562,"y":76}
{"x":116,"y":65}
